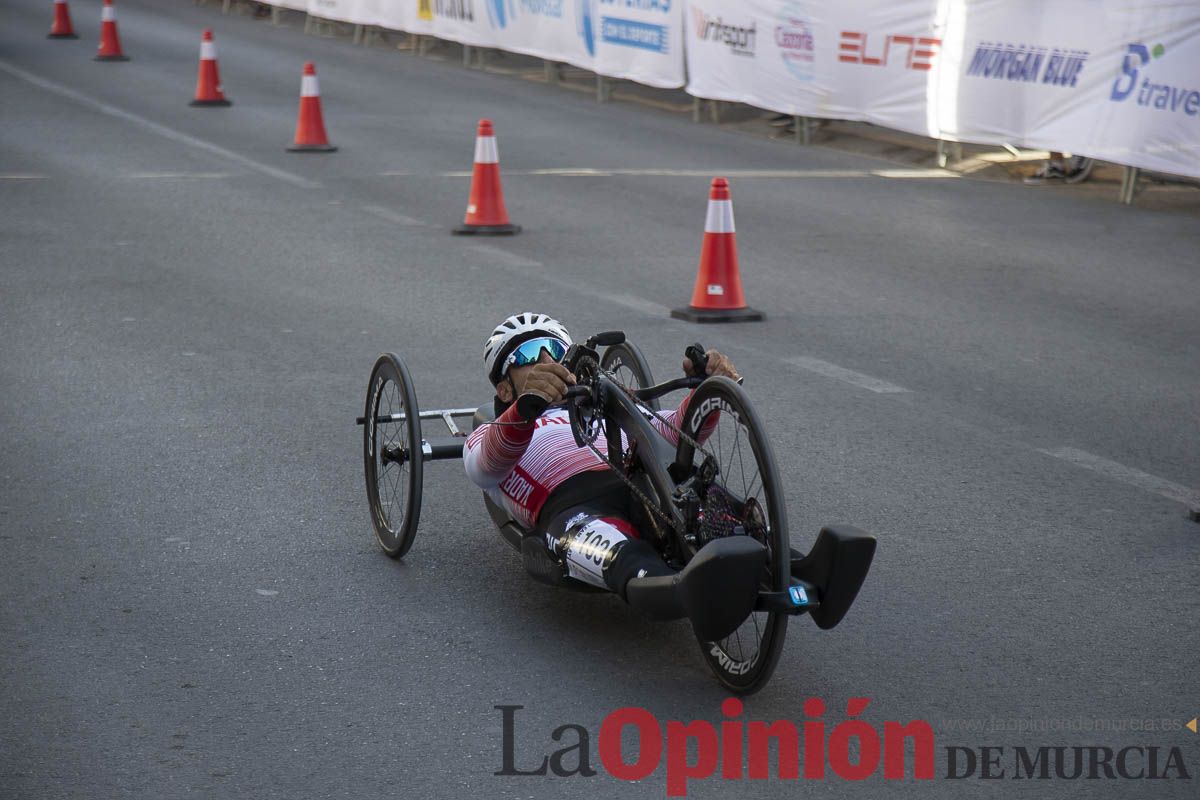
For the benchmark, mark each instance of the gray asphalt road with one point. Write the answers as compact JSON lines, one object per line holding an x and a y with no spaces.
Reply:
{"x":193,"y":604}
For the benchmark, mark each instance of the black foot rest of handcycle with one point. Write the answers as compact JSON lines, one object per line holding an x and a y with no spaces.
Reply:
{"x":716,"y":591}
{"x":836,"y":565}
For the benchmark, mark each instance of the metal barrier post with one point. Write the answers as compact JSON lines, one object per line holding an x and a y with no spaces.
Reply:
{"x":603,"y":90}
{"x":1129,"y":177}
{"x":947,"y":151}
{"x":802,"y":128}
{"x":358,"y":32}
{"x":275,"y":14}
{"x":695,"y":109}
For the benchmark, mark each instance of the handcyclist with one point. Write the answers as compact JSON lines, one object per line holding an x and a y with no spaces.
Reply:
{"x":578,"y":510}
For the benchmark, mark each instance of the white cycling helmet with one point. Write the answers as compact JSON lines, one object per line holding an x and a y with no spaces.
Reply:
{"x":513,"y":331}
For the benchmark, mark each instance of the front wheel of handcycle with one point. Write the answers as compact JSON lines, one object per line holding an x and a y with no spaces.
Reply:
{"x":629,"y":368}
{"x":741,"y":496}
{"x":392,"y":455}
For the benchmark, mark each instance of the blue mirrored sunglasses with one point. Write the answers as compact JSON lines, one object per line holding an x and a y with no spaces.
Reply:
{"x":530,"y":352}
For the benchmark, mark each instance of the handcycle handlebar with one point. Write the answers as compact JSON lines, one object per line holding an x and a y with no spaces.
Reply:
{"x":530,"y":406}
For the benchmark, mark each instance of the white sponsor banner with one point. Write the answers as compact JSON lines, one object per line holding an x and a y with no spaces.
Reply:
{"x":339,"y":10}
{"x":1112,"y":79}
{"x":413,"y":16}
{"x":855,"y":59}
{"x":639,"y":40}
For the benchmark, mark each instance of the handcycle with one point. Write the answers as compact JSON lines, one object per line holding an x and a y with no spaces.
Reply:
{"x":718,"y":480}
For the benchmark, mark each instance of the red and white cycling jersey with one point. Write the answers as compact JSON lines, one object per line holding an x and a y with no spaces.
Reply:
{"x":520,"y":463}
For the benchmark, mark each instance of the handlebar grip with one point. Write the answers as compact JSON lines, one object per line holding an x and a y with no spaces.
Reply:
{"x":695,"y":353}
{"x":531,"y":406}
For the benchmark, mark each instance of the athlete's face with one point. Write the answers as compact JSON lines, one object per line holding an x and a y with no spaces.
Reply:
{"x":504,"y":390}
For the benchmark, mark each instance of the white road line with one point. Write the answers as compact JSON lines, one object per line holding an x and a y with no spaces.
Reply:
{"x":22,"y":177}
{"x":845,"y":375}
{"x":506,"y":258}
{"x":638,"y":304}
{"x":1122,"y":473}
{"x":591,"y":172}
{"x":154,"y":127}
{"x":392,"y":216}
{"x":1112,"y":469}
{"x":914,"y":173}
{"x":198,"y":175}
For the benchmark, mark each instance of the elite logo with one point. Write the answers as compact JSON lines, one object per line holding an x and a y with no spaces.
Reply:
{"x":914,"y":52}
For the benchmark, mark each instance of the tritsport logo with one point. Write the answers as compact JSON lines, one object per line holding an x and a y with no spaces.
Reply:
{"x":1161,"y":96}
{"x":712,"y":28}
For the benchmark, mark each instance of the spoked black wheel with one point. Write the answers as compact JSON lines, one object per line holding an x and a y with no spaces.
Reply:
{"x":629,"y":368}
{"x":740,"y":496}
{"x":392,"y":455}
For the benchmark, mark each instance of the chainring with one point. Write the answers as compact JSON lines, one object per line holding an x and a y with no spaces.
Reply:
{"x":585,"y":414}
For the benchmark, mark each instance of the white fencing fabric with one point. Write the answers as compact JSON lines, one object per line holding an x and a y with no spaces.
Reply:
{"x":638,"y":40}
{"x":1113,"y":79}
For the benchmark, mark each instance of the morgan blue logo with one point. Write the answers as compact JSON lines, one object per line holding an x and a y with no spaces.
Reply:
{"x":1162,"y":96}
{"x":798,"y":595}
{"x":1027,"y":63}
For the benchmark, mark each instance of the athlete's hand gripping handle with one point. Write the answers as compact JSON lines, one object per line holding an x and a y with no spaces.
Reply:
{"x":701,"y":363}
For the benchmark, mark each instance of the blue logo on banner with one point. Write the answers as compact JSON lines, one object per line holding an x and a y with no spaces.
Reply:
{"x":632,"y":33}
{"x":585,"y":29}
{"x":500,"y":12}
{"x":1162,"y":96}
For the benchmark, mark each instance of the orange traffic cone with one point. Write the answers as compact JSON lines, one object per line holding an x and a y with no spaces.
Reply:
{"x":61,"y":29}
{"x":310,"y":126}
{"x":110,"y":43}
{"x":208,"y":81}
{"x":486,"y":214}
{"x":717,"y":296}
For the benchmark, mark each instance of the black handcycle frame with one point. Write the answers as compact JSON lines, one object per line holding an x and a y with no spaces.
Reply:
{"x":823,"y":583}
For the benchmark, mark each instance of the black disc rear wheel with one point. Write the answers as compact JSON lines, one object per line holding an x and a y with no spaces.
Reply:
{"x":392,"y":455}
{"x":743,"y":499}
